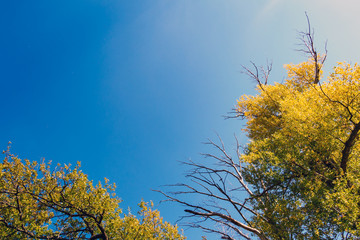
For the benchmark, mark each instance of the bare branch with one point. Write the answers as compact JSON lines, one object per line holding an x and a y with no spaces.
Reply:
{"x":259,"y":74}
{"x":307,"y":39}
{"x":222,"y":184}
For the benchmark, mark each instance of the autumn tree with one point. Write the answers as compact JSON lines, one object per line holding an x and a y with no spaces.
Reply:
{"x":38,"y":201}
{"x":299,"y":175}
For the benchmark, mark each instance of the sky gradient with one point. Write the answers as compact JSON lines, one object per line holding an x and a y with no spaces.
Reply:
{"x":130,"y":88}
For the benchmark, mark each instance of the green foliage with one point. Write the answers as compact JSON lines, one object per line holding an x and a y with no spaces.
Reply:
{"x":302,"y":162}
{"x":38,"y":202}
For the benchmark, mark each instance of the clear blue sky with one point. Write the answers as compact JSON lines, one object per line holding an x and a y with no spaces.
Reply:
{"x":129,"y":88}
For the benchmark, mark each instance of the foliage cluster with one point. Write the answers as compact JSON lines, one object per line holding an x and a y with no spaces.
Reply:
{"x":38,"y":202}
{"x":302,"y":159}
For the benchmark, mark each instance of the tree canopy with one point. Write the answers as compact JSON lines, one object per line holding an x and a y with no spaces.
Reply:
{"x":298,"y":177}
{"x":38,"y":201}
{"x":302,"y":159}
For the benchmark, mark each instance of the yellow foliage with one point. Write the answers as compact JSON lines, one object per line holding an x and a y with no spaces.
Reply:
{"x":38,"y":202}
{"x":301,"y":147}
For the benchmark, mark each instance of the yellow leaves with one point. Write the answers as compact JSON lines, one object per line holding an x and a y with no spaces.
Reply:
{"x":297,"y":133}
{"x":262,"y":110}
{"x":302,"y":111}
{"x":43,"y":202}
{"x":148,"y":226}
{"x":346,"y":72}
{"x":302,"y":74}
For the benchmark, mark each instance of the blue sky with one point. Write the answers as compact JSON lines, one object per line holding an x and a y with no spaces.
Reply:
{"x":129,"y":88}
